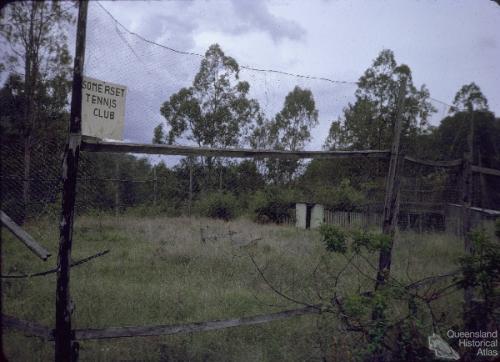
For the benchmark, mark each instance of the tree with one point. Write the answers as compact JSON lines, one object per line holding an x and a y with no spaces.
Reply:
{"x":215,"y":111}
{"x":469,"y":99}
{"x":289,"y":130}
{"x":470,"y":123}
{"x":369,"y":122}
{"x":36,"y":34}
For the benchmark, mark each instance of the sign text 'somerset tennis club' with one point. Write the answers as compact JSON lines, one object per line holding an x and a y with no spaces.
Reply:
{"x":103,"y":109}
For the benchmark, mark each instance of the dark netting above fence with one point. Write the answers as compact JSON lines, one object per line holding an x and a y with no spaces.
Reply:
{"x":154,"y":74}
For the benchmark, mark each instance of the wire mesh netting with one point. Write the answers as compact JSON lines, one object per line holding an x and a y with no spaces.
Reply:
{"x":165,"y":218}
{"x":154,"y":72}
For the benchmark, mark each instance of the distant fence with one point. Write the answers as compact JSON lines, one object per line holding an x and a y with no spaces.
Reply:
{"x":350,"y":219}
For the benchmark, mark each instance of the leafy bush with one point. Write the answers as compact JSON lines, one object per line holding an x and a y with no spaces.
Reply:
{"x":147,"y":210}
{"x":334,"y":238}
{"x":272,"y":205}
{"x":342,"y":197}
{"x":482,"y":267}
{"x":218,"y":205}
{"x":371,"y":241}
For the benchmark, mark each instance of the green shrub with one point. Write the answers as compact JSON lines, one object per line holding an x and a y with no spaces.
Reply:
{"x":272,"y":205}
{"x":373,"y":242}
{"x":337,"y":239}
{"x":334,"y":238}
{"x":341,"y":197}
{"x":218,"y":205}
{"x":149,"y":210}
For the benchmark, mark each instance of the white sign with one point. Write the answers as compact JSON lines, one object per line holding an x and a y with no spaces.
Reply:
{"x":103,"y":109}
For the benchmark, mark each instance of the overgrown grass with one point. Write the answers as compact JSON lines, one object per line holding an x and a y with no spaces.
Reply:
{"x":175,"y":270}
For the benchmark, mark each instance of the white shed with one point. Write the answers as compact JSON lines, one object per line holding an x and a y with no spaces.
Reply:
{"x":301,"y":216}
{"x":317,"y":216}
{"x":309,"y":216}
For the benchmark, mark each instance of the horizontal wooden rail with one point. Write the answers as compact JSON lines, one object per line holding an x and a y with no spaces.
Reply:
{"x":27,"y":327}
{"x":452,"y":163}
{"x":22,"y":235}
{"x":92,"y":144}
{"x":486,"y":171}
{"x":121,"y":332}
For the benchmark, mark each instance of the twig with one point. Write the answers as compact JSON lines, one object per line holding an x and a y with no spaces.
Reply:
{"x":278,"y":291}
{"x":54,"y":270}
{"x":431,"y":280}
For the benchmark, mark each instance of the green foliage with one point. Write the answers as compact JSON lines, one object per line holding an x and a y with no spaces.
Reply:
{"x":289,"y":130}
{"x":357,"y":305}
{"x":33,"y":105}
{"x":469,"y":98}
{"x":215,"y":111}
{"x":41,"y":51}
{"x":337,"y":240}
{"x":341,"y":197}
{"x":218,"y":205}
{"x":482,"y":268}
{"x":273,"y":204}
{"x":369,"y":122}
{"x":373,"y":242}
{"x":334,"y":238}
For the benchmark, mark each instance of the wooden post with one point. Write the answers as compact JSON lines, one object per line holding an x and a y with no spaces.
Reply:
{"x":391,"y":203}
{"x":482,"y":182}
{"x":155,"y":185}
{"x":65,"y":348}
{"x":467,"y":194}
{"x":190,"y":184}
{"x":2,"y":355}
{"x":117,"y":186}
{"x":467,"y":187}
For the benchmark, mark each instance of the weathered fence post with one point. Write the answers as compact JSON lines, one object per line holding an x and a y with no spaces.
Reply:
{"x":467,"y":194}
{"x":190,"y":184}
{"x":65,"y":348}
{"x":155,"y":186}
{"x":117,"y":186}
{"x":391,"y":203}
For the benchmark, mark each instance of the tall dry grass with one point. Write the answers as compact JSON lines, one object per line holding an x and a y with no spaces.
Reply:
{"x":175,"y":270}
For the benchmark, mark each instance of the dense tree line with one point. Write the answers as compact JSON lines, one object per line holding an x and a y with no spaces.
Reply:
{"x":216,"y":110}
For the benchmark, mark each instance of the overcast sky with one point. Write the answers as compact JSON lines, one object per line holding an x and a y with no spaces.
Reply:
{"x":446,"y":43}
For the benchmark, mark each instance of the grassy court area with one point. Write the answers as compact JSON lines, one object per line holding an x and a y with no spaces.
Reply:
{"x":176,"y":270}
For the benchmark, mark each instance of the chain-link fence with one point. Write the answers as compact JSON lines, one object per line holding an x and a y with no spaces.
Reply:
{"x":121,"y":196}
